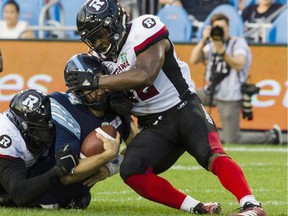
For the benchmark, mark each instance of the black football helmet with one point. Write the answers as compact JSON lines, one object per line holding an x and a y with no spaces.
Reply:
{"x":84,"y":64}
{"x":30,"y":112}
{"x":102,"y":25}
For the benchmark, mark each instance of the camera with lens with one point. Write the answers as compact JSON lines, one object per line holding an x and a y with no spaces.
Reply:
{"x":217,"y":33}
{"x":248,"y":90}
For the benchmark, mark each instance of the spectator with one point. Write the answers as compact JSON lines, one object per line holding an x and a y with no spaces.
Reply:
{"x":227,"y":65}
{"x":142,"y":60}
{"x":200,"y":9}
{"x":260,"y":12}
{"x":1,"y":61}
{"x":11,"y":27}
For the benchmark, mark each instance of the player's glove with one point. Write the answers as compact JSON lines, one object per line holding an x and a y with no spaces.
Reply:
{"x":120,"y":103}
{"x":81,"y":81}
{"x":65,"y":161}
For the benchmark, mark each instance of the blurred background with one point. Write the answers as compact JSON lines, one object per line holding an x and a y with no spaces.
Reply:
{"x":37,"y":60}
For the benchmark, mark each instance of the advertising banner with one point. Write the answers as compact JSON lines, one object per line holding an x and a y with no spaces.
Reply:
{"x":40,"y":65}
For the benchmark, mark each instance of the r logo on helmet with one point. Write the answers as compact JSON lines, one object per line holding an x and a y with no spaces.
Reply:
{"x":96,"y":6}
{"x":30,"y":101}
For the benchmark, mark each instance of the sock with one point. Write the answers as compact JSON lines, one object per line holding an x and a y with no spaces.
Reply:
{"x":249,"y":198}
{"x":231,"y":176}
{"x":157,"y":189}
{"x":189,"y":204}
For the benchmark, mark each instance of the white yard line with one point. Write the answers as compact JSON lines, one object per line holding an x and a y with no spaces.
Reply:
{"x":261,"y":149}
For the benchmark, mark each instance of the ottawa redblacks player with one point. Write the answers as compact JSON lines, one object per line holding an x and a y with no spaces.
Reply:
{"x":26,"y":134}
{"x":142,"y":59}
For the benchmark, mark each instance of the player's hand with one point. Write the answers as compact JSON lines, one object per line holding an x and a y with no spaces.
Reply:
{"x":111,"y":146}
{"x":120,"y":103}
{"x":65,"y":161}
{"x":82,"y":81}
{"x":102,"y":174}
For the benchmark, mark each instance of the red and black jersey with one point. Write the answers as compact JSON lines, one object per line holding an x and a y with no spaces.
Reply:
{"x":173,"y":79}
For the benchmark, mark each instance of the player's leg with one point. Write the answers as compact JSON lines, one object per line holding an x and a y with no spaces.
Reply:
{"x":158,"y":148}
{"x":204,"y":138}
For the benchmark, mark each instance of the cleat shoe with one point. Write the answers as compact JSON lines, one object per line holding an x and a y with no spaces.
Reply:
{"x":207,"y":208}
{"x":81,"y":202}
{"x":250,"y":209}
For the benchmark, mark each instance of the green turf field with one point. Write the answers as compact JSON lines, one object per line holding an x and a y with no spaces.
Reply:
{"x":265,"y":168}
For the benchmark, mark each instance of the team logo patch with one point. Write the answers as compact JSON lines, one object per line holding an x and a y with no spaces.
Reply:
{"x":31,"y":101}
{"x":5,"y":141}
{"x":124,"y":57}
{"x":96,"y":6}
{"x":148,"y":22}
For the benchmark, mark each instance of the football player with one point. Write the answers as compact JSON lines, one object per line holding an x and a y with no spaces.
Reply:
{"x":26,"y":134}
{"x":142,"y":59}
{"x":75,"y":114}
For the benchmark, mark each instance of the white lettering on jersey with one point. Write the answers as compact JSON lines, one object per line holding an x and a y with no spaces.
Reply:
{"x":207,"y":116}
{"x":30,"y":101}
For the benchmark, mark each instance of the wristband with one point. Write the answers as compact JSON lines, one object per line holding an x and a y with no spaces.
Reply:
{"x":114,"y":165}
{"x":95,"y":82}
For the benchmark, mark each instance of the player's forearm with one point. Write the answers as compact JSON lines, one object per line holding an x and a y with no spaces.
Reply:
{"x":133,"y":79}
{"x":88,"y":166}
{"x":23,"y":191}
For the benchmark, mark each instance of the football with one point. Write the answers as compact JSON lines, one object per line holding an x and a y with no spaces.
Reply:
{"x":92,"y":144}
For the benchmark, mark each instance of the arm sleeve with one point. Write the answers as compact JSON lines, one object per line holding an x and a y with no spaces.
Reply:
{"x":20,"y":189}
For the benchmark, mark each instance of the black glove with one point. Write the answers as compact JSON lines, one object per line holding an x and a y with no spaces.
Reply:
{"x":65,"y":161}
{"x":81,"y":81}
{"x":120,"y":103}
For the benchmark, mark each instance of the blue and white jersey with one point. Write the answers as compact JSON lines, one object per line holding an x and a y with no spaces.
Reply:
{"x":173,"y":79}
{"x":74,"y":121}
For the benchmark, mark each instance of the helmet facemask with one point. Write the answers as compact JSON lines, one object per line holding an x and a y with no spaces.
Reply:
{"x":94,"y":103}
{"x":87,"y":65}
{"x":103,"y":31}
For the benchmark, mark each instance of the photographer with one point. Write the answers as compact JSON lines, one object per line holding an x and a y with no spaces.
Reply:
{"x":227,"y":62}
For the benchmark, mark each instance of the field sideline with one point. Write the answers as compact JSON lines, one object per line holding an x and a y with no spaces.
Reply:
{"x":265,"y":167}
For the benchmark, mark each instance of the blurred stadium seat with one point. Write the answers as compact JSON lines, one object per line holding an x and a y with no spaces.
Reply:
{"x":250,"y":2}
{"x":234,"y":3}
{"x":236,"y":24}
{"x":278,"y":31}
{"x":70,"y":9}
{"x":177,"y":21}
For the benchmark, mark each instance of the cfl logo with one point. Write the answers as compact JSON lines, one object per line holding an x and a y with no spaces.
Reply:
{"x":30,"y":101}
